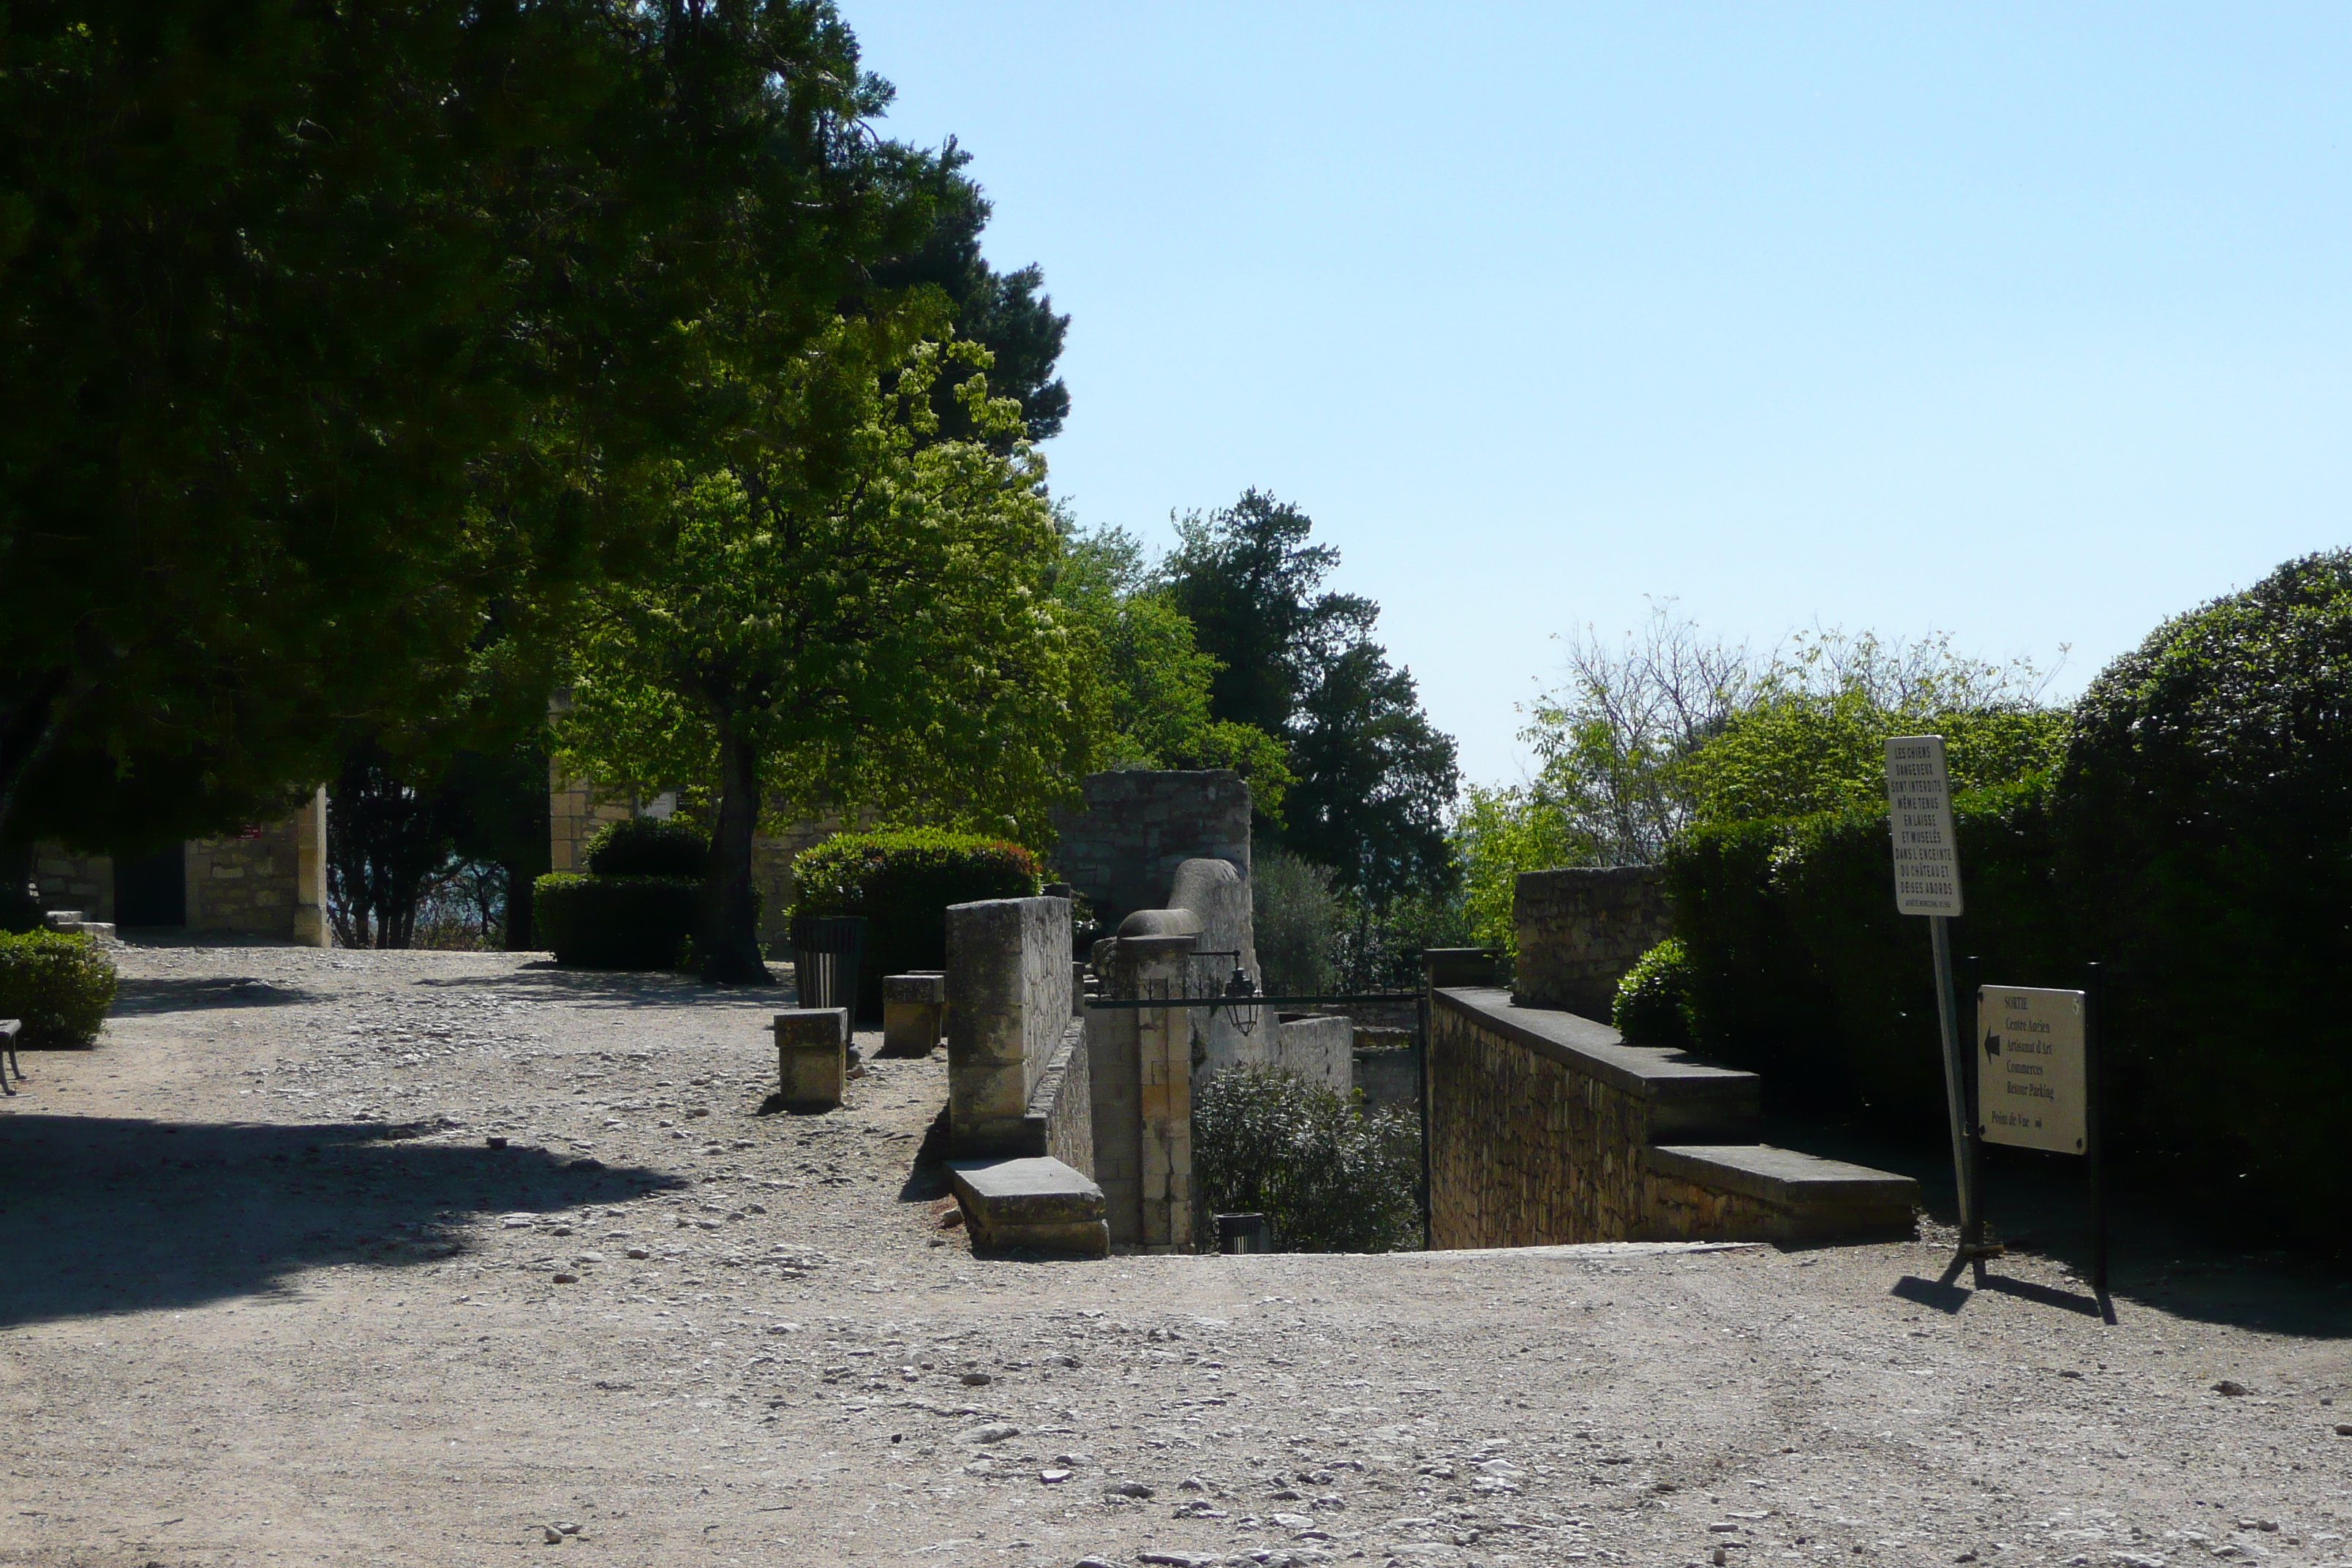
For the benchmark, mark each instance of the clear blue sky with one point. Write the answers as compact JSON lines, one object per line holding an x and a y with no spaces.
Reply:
{"x":2029,"y":324}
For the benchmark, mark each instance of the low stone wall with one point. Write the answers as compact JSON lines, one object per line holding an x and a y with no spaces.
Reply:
{"x":1318,"y":1048}
{"x":1389,"y":1076}
{"x":1008,"y":1009}
{"x":1061,"y":1119}
{"x":1537,"y":1119}
{"x":1580,"y":929}
{"x":71,"y":882}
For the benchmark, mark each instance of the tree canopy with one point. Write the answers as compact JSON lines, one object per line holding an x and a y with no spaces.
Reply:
{"x":338,"y":341}
{"x":1375,"y":778}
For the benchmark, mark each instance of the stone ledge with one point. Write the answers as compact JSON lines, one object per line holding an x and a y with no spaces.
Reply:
{"x":1668,"y":1078}
{"x":1036,"y":1203}
{"x":1816,"y":1195}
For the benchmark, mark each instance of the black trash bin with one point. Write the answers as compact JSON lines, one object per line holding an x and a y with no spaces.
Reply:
{"x":1242,"y":1233}
{"x":825,"y":954}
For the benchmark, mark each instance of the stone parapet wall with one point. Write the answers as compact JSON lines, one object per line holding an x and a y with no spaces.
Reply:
{"x":1123,"y":846}
{"x":1008,"y":988}
{"x":1581,"y":928}
{"x":1060,"y":1109}
{"x":1537,"y":1119}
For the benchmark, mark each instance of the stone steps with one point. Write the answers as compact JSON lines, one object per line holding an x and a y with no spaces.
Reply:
{"x":1754,"y":1192}
{"x":1031,"y":1205}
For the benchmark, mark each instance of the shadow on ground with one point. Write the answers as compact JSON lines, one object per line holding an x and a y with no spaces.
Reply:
{"x":544,"y":982}
{"x":2038,"y":1206}
{"x":138,"y":998}
{"x":102,"y":1215}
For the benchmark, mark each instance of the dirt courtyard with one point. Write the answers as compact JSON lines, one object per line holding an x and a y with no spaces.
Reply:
{"x":268,"y":1295}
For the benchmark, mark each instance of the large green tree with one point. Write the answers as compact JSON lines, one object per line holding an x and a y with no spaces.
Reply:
{"x":325,"y":330}
{"x":1375,"y":778}
{"x":846,"y":612}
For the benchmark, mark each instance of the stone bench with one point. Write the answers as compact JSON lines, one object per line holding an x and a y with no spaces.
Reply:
{"x":1031,"y":1205}
{"x":1754,"y":1192}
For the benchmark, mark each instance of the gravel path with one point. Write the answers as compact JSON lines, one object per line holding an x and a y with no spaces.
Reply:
{"x":267,"y":1295}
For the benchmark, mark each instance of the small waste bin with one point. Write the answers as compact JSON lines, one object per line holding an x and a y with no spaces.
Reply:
{"x":825,"y":952}
{"x":1242,"y":1233}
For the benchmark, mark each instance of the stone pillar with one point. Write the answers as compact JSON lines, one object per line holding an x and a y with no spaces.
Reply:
{"x":914,"y":1013}
{"x":1008,"y":999}
{"x":813,"y":1055}
{"x":1140,"y":1077}
{"x":310,"y":929}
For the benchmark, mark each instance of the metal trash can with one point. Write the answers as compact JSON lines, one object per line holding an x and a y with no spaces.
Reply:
{"x":825,"y":954}
{"x":1242,"y":1233}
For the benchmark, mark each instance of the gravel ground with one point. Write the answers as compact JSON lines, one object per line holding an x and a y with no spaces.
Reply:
{"x":268,"y":1296}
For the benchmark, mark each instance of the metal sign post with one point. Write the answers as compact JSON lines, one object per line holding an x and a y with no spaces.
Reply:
{"x":1928,"y":882}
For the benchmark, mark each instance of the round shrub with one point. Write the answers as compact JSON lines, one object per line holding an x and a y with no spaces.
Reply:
{"x":902,"y":880}
{"x":616,"y":922}
{"x":1654,"y":999}
{"x":1328,"y":1177}
{"x":61,"y":985}
{"x":2201,"y":810}
{"x":649,"y":847}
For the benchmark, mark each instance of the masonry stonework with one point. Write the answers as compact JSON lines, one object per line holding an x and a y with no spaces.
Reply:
{"x":1008,"y":998}
{"x":1580,"y":929}
{"x":1123,"y":846}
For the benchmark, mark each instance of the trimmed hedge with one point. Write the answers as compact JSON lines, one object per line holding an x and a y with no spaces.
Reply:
{"x":61,"y":983}
{"x":902,"y":880}
{"x":2193,"y":841}
{"x":649,"y":847}
{"x":616,"y":922}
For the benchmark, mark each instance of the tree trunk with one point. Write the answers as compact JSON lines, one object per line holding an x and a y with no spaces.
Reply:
{"x":20,"y":906}
{"x":523,"y":931}
{"x":730,"y":940}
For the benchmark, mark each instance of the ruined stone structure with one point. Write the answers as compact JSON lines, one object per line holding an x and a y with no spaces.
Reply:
{"x":268,"y":882}
{"x":1580,"y":929}
{"x":1123,"y":847}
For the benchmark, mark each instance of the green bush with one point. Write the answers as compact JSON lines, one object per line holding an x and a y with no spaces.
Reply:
{"x":61,"y":985}
{"x":2202,"y":806}
{"x":1654,"y":998}
{"x":649,"y":847}
{"x":1298,"y":918}
{"x":616,"y":922}
{"x":902,"y":880}
{"x":1328,"y":1177}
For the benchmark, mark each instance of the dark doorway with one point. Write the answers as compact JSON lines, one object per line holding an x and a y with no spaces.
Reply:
{"x":152,"y":890}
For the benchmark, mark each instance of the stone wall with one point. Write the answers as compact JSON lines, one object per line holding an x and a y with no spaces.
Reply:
{"x":1141,"y":1066}
{"x":1061,"y":1107}
{"x":1008,"y":1009}
{"x":269,"y":880}
{"x":71,"y":882}
{"x":1580,"y":929}
{"x":1537,"y":1119}
{"x":1123,"y":847}
{"x":1318,"y":1048}
{"x":1389,"y":1076}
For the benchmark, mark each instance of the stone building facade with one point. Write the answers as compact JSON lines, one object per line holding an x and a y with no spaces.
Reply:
{"x":267,"y":881}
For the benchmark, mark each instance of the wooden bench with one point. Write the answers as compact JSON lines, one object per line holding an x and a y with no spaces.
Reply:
{"x":9,"y":1029}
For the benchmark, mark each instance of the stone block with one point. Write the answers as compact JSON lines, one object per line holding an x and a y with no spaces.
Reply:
{"x":1035,"y":1205}
{"x":1008,"y":999}
{"x":914,"y":1013}
{"x":1318,"y":1048}
{"x":813,"y":1055}
{"x":1755,"y":1192}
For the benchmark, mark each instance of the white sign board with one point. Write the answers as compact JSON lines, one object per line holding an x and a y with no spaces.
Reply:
{"x":2030,"y":1087}
{"x":1920,"y":804}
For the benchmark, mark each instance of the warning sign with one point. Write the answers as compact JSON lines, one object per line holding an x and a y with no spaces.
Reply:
{"x":2032,"y":1089}
{"x":1919,"y":810}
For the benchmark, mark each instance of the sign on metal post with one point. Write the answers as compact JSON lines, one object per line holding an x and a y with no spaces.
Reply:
{"x":1928,"y":882}
{"x":2037,"y":1059}
{"x":2032,"y":1083}
{"x":1919,"y":802}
